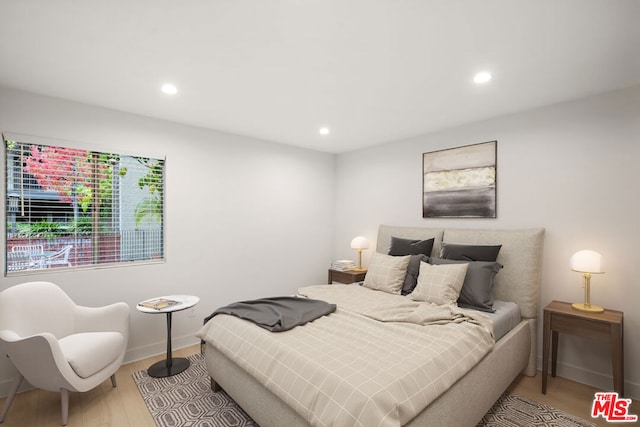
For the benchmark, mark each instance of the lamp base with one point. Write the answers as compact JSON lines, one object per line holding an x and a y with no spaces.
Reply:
{"x":359,"y":269}
{"x":590,"y":308}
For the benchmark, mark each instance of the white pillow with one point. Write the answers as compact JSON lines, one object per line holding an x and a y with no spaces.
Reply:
{"x":439,"y":284}
{"x":386,"y":273}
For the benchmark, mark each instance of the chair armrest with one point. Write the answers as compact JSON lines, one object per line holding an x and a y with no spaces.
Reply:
{"x":39,"y":359}
{"x":110,"y":318}
{"x":8,"y":336}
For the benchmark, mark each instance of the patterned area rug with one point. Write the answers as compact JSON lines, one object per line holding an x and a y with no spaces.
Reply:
{"x":512,"y":410}
{"x":186,"y":400}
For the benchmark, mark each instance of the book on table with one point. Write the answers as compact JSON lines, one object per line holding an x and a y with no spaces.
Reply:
{"x":159,"y":303}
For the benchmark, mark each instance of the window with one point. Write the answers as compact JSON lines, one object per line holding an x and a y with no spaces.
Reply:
{"x":69,"y":207}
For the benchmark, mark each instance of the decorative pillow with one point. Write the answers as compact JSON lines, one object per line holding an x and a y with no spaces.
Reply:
{"x":410,"y":247}
{"x":477,"y":289}
{"x":439,"y":284}
{"x":469,"y":252}
{"x":411,"y":279}
{"x":386,"y":273}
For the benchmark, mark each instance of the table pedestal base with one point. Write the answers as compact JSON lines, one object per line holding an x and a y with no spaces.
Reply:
{"x":162,"y":368}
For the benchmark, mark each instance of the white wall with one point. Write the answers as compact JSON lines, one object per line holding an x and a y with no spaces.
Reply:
{"x":245,"y":218}
{"x":570,"y":168}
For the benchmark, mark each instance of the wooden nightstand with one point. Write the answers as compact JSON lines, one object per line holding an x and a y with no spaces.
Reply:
{"x":349,"y":276}
{"x":606,"y":326}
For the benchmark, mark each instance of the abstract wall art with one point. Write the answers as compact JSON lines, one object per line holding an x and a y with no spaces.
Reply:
{"x":460,"y":182}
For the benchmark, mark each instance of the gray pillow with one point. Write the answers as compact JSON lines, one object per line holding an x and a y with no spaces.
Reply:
{"x":420,"y":250}
{"x":477,"y":289}
{"x":411,"y":279}
{"x":400,"y":247}
{"x":469,"y":252}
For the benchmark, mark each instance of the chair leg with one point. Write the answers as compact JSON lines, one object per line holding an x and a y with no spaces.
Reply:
{"x":14,"y":389}
{"x":113,"y":380}
{"x":64,"y":404}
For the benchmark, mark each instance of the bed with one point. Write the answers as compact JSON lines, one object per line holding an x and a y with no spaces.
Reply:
{"x":462,"y":397}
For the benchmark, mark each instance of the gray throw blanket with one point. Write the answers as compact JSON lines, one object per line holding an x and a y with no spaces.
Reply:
{"x":277,"y":314}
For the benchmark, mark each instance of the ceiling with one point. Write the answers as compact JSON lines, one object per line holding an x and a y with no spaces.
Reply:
{"x":372,"y":71}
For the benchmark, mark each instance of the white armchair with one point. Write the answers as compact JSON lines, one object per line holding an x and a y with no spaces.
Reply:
{"x":57,"y":345}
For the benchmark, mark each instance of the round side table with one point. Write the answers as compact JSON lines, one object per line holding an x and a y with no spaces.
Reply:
{"x":170,"y":366}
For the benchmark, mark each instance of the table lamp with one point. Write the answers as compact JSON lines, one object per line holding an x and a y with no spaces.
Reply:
{"x":359,"y":243}
{"x":587,"y":262}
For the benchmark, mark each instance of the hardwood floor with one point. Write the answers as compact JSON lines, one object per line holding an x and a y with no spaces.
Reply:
{"x":569,"y":396}
{"x":105,"y":405}
{"x":123,"y":406}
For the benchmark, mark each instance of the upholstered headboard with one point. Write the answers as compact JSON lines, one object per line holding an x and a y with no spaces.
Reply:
{"x":521,"y":256}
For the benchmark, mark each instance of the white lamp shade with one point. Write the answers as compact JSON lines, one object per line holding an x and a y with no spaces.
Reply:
{"x":360,"y":242}
{"x":586,"y":261}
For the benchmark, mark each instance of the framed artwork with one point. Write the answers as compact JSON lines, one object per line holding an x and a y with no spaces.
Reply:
{"x":460,"y":182}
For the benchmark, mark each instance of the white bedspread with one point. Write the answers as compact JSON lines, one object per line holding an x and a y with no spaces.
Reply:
{"x":347,"y":369}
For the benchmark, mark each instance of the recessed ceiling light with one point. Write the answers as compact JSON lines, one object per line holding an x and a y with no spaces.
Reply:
{"x":169,"y":89}
{"x":324,"y":131}
{"x":482,"y":77}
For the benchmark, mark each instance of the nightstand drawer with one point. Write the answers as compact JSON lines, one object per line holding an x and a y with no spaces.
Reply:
{"x":576,"y":326}
{"x":346,"y":277}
